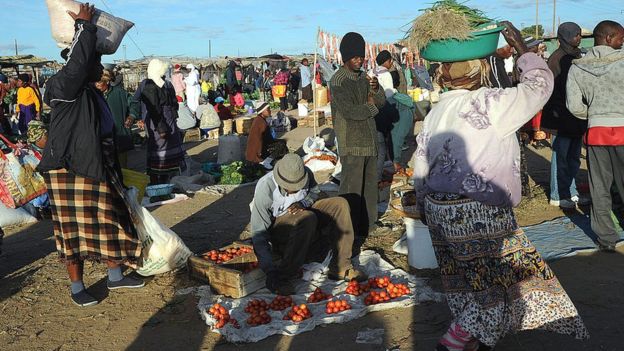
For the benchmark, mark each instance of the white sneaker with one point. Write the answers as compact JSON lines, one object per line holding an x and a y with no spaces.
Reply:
{"x":581,"y":200}
{"x":554,"y":203}
{"x":565,"y":203}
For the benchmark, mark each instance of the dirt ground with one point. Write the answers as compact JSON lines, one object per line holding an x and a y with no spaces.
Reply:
{"x":36,"y":312}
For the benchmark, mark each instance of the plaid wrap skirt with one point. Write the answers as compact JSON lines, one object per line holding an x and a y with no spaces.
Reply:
{"x":91,"y":220}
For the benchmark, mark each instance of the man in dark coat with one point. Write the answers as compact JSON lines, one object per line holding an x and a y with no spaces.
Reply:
{"x":355,"y":103}
{"x":567,"y":144}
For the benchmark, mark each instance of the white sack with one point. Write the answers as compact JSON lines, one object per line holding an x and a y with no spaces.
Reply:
{"x":111,"y":29}
{"x":14,"y":216}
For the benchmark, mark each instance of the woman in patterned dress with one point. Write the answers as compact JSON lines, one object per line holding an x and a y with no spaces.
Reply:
{"x":467,"y":179}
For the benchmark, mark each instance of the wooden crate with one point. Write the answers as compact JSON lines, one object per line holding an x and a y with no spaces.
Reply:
{"x":329,"y":121}
{"x":228,"y":278}
{"x":192,"y":135}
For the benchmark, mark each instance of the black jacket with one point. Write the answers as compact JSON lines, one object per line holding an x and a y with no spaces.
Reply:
{"x":555,"y":115}
{"x":74,"y":133}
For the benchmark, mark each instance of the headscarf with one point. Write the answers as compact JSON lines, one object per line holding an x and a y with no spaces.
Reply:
{"x":565,"y":34}
{"x":36,"y":130}
{"x":464,"y":74}
{"x":156,"y":69}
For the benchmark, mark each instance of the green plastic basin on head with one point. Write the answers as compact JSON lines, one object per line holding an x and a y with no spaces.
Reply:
{"x":482,"y":44}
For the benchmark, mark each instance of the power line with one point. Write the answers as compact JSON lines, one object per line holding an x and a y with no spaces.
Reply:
{"x":129,"y":36}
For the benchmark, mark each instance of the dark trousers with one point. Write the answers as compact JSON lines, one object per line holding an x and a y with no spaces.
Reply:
{"x":358,"y":184}
{"x":297,"y":236}
{"x":606,"y":166}
{"x":306,"y":93}
{"x":284,"y":103}
{"x":568,"y":150}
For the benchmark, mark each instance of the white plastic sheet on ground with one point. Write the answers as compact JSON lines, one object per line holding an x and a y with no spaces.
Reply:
{"x":400,"y":246}
{"x":368,"y":261}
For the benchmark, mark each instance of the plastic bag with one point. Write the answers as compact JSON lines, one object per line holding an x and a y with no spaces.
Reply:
{"x":185,"y":120}
{"x":163,"y":250}
{"x":110,"y":33}
{"x":209,"y":118}
{"x":19,"y":182}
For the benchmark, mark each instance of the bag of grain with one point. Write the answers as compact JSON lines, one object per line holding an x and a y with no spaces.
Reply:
{"x":111,"y":29}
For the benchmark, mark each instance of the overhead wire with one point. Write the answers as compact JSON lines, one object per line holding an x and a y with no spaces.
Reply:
{"x":129,"y":35}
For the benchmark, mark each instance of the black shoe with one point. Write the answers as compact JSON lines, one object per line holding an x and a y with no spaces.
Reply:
{"x":608,"y":248}
{"x":83,"y":299}
{"x":125,"y":283}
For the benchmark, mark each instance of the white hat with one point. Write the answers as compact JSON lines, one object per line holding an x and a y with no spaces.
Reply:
{"x":260,"y":106}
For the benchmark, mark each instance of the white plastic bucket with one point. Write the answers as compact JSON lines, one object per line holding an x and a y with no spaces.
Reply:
{"x":303,"y":110}
{"x":420,"y":252}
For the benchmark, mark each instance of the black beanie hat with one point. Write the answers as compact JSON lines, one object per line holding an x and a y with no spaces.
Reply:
{"x":383,"y":57}
{"x":352,"y":45}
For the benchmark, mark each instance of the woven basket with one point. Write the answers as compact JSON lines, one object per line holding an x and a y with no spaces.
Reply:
{"x":243,"y":125}
{"x":226,"y":127}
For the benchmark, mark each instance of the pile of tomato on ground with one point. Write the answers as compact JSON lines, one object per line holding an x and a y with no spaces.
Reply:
{"x":376,"y":290}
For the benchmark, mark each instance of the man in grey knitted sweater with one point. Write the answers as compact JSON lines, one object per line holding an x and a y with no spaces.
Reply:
{"x":356,"y":100}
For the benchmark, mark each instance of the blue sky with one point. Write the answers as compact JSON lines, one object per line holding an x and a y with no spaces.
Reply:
{"x":254,"y":28}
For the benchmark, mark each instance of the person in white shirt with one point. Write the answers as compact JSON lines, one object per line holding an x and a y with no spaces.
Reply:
{"x":306,"y":80}
{"x":382,"y":72}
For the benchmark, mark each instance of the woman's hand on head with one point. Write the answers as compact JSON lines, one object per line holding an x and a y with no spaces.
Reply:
{"x":86,"y":12}
{"x":514,"y":37}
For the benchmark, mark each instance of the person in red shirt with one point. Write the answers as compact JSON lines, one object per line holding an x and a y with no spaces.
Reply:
{"x":222,"y":110}
{"x":594,"y":93}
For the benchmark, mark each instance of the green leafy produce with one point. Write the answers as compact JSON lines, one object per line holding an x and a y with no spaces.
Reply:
{"x":239,"y":173}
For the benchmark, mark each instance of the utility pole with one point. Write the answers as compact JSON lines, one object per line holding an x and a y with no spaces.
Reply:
{"x":554,"y":16}
{"x":16,"y":53}
{"x":209,"y":48}
{"x":124,"y":49}
{"x":536,"y":19}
